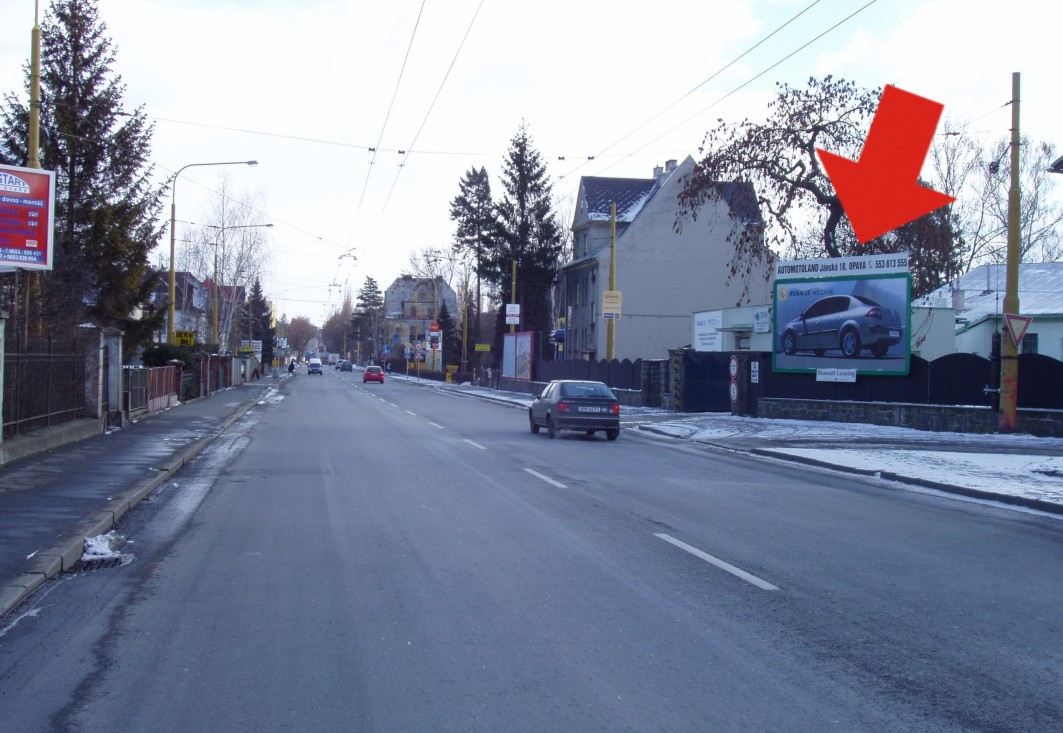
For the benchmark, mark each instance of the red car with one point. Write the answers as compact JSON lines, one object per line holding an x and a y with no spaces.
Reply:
{"x":373,"y":374}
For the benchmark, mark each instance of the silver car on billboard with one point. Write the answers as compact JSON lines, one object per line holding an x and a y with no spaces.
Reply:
{"x":846,"y":323}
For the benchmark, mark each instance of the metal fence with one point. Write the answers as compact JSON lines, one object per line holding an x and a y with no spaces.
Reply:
{"x":617,"y":374}
{"x":44,"y":385}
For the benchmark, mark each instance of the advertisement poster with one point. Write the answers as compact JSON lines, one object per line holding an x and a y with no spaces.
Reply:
{"x":843,"y":314}
{"x":27,"y":197}
{"x":706,"y":336}
{"x":517,"y":355}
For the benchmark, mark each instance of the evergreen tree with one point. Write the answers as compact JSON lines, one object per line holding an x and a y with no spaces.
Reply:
{"x":261,"y":317}
{"x":106,"y":207}
{"x":528,"y":234}
{"x":477,"y":227}
{"x":451,"y":337}
{"x":368,"y":319}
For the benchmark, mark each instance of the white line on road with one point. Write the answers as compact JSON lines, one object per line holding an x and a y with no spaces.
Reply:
{"x":547,"y":479}
{"x":437,"y":425}
{"x":737,"y":572}
{"x":475,"y":445}
{"x":411,"y":413}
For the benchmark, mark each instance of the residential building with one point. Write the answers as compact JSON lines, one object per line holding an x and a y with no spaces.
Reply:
{"x":191,"y":303}
{"x":664,"y":272}
{"x":977,"y":298}
{"x":412,"y":304}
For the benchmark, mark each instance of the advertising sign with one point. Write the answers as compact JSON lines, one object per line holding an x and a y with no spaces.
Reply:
{"x":842,"y":316}
{"x":185,"y":338}
{"x":706,"y":336}
{"x":611,"y":302}
{"x":27,"y":222}
{"x":517,"y":355}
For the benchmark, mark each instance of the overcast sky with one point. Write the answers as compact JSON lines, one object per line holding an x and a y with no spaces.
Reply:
{"x":307,"y":87}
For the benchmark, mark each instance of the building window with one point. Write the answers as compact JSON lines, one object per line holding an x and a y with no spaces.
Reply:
{"x":1029,"y":343}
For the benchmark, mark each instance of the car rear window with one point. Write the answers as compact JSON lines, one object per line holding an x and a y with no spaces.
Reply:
{"x":589,"y":390}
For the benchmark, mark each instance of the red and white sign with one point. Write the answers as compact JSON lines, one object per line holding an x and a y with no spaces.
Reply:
{"x":27,"y":218}
{"x":512,"y":314}
{"x":732,"y":367}
{"x":1017,"y":326}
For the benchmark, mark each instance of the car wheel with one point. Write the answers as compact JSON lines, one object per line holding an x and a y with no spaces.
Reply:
{"x":880,"y":350}
{"x":551,"y":430}
{"x":789,"y":343}
{"x":851,"y":343}
{"x":612,"y":433}
{"x":534,"y":425}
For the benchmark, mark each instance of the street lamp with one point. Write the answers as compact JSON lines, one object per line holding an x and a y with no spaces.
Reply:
{"x":221,"y":238}
{"x":170,"y":335}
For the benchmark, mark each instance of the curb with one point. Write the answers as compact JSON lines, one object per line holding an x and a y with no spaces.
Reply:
{"x":65,"y":552}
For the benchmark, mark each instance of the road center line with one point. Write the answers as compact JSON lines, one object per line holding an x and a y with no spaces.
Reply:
{"x":411,"y":413}
{"x":547,"y":479}
{"x":475,"y":445}
{"x":737,"y":572}
{"x":437,"y":425}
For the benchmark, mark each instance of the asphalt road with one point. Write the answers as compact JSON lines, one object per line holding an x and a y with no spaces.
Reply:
{"x":395,"y":558}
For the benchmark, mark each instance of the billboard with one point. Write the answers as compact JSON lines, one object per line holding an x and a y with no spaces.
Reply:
{"x":517,"y":349}
{"x":843,"y":316}
{"x":27,"y":223}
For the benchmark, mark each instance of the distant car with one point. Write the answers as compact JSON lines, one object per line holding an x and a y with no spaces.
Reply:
{"x":846,"y":323}
{"x":346,"y":366}
{"x":314,"y":367}
{"x":373,"y":374}
{"x":566,"y":404}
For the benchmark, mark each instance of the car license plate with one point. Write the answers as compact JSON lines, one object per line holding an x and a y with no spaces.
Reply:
{"x":591,"y":409}
{"x":895,"y":334}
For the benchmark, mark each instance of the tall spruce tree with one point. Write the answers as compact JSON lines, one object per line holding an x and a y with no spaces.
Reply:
{"x":368,"y":319}
{"x":477,"y":228}
{"x":528,"y":234}
{"x":451,"y":337}
{"x":106,"y":207}
{"x":261,"y":319}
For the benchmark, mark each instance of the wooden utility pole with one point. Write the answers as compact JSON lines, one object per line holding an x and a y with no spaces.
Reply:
{"x":1009,"y":362}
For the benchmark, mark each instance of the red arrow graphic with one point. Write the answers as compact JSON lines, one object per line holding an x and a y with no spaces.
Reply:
{"x":880,"y":192}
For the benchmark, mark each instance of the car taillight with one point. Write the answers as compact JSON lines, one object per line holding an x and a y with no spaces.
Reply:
{"x":563,"y":406}
{"x":874,"y":313}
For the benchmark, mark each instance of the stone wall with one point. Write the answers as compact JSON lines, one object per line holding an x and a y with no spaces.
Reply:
{"x":942,"y":418}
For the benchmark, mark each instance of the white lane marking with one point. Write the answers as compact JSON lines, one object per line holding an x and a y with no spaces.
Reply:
{"x":737,"y":572}
{"x":475,"y":445}
{"x":437,"y":425}
{"x":547,"y":479}
{"x":393,"y":404}
{"x":411,"y":413}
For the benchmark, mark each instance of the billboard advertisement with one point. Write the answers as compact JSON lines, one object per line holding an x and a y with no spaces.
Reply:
{"x":517,"y":350}
{"x":843,"y":316}
{"x":27,"y":204}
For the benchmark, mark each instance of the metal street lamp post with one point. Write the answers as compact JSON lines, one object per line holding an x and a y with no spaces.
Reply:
{"x":170,"y":325}
{"x":221,"y":238}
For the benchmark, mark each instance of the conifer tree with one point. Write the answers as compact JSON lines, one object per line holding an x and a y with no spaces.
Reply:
{"x":106,"y":207}
{"x":528,"y":234}
{"x":261,"y":318}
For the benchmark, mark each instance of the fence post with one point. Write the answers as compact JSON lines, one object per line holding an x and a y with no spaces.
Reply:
{"x":92,"y":338}
{"x":112,"y":343}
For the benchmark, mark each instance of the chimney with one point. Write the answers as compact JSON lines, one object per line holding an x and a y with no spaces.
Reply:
{"x":657,"y":171}
{"x":957,"y":300}
{"x":669,"y":165}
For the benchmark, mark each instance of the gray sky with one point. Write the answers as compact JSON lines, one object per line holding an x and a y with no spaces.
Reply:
{"x":307,"y":87}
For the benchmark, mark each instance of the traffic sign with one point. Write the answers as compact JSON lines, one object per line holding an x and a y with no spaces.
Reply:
{"x":1017,"y":326}
{"x":732,"y":367}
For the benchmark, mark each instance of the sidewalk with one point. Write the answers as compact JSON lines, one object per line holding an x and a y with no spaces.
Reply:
{"x":51,"y":501}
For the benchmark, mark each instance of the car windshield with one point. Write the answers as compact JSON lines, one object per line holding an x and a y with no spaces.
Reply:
{"x":585,"y":389}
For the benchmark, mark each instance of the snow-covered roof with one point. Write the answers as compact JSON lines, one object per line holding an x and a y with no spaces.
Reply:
{"x":629,"y":194}
{"x":1040,"y":291}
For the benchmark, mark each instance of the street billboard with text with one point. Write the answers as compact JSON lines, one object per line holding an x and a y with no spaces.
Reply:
{"x":845,"y":313}
{"x":27,"y":218}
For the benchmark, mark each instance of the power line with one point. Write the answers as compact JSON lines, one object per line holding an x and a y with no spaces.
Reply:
{"x":394,"y":94}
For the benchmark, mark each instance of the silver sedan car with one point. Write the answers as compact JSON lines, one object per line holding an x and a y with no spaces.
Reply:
{"x":566,"y":404}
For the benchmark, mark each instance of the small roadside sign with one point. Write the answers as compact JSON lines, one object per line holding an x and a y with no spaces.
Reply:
{"x":732,"y":367}
{"x":1017,"y":326}
{"x":483,"y":347}
{"x":512,"y":314}
{"x":611,"y":301}
{"x":185,"y":338}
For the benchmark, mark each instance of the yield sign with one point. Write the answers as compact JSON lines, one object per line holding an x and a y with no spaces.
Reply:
{"x":1017,"y":326}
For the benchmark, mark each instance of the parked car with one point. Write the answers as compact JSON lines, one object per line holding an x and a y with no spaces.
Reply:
{"x":567,"y":404}
{"x":314,"y":367}
{"x":373,"y":374}
{"x":346,"y":366}
{"x":849,"y":323}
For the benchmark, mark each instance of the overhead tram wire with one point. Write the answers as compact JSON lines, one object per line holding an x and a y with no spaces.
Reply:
{"x":394,"y":94}
{"x":719,"y":71}
{"x":746,"y":83}
{"x":405,"y":153}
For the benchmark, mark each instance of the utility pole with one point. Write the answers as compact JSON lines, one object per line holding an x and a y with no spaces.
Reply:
{"x":513,"y":293}
{"x":610,"y":328}
{"x":1009,"y":362}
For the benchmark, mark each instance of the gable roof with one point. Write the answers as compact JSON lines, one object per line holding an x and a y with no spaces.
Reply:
{"x":629,"y":194}
{"x":1040,"y":291}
